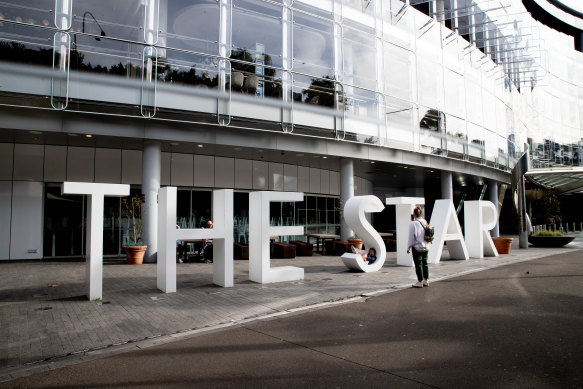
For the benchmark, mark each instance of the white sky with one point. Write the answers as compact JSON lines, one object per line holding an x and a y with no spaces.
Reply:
{"x":577,"y":5}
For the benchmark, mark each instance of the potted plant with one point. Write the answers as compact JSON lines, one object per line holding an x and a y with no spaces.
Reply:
{"x":355,"y":241}
{"x":134,"y":247}
{"x":502,"y":244}
{"x":549,"y":239}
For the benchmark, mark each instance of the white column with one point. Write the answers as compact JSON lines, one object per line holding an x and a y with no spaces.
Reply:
{"x":346,"y":192}
{"x":493,"y":197}
{"x":446,"y":185}
{"x":151,"y":167}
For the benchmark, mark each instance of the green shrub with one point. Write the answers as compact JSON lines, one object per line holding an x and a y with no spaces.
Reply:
{"x":548,"y":233}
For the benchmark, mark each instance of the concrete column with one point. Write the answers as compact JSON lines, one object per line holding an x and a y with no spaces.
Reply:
{"x":151,"y":167}
{"x":493,"y":197}
{"x":446,"y":185}
{"x":346,"y":192}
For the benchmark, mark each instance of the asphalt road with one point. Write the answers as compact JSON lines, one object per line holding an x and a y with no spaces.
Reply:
{"x":517,"y":326}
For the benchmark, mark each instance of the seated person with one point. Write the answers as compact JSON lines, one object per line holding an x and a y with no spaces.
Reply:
{"x":181,"y":249}
{"x":369,"y":258}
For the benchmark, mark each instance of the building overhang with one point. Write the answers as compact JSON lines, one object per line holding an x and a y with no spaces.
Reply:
{"x":563,"y":180}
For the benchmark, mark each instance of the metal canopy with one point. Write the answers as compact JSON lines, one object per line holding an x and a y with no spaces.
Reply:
{"x":564,"y":180}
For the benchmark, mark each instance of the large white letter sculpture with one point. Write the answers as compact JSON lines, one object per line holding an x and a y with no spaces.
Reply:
{"x":404,"y":209}
{"x":479,"y":218}
{"x":354,"y":210}
{"x":221,"y":234}
{"x":94,"y":233}
{"x":447,"y":229}
{"x":259,"y":233}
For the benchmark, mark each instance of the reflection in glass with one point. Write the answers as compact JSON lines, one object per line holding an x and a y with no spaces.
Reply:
{"x":359,"y":59}
{"x":112,"y":18}
{"x":251,"y":21}
{"x":190,"y":25}
{"x":313,"y":46}
{"x":188,"y":69}
{"x":313,"y":90}
{"x":37,"y":12}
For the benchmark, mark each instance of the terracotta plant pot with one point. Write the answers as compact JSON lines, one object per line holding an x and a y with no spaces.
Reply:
{"x":356,"y":243}
{"x":502,"y":245}
{"x":135,"y":254}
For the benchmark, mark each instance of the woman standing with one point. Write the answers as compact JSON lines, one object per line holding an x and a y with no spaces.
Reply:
{"x":418,"y":245}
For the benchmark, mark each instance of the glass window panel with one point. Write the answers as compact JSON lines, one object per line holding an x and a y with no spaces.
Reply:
{"x":399,"y":68}
{"x":313,"y":45}
{"x":476,"y":149}
{"x":93,"y":65}
{"x":362,"y":114}
{"x":180,"y":68}
{"x":257,"y":32}
{"x":38,"y":12}
{"x":313,"y":90}
{"x":201,"y":208}
{"x":183,"y":208}
{"x":63,"y":223}
{"x":111,"y":18}
{"x":359,"y":59}
{"x":322,"y":8}
{"x":397,"y":21}
{"x":457,"y":135}
{"x":190,"y":25}
{"x":111,"y":225}
{"x":359,"y":14}
{"x":430,"y":83}
{"x":399,"y":121}
{"x":21,"y":46}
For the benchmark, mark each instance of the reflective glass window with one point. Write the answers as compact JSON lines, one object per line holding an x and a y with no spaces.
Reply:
{"x":359,"y":14}
{"x":26,"y":44}
{"x":190,"y":25}
{"x":322,"y":8}
{"x":110,"y":18}
{"x":359,"y":59}
{"x":38,"y":12}
{"x":313,"y":45}
{"x":257,"y":32}
{"x":399,"y":68}
{"x":313,"y":90}
{"x":180,"y":68}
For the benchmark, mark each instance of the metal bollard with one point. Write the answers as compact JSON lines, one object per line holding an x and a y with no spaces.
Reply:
{"x":567,"y":227}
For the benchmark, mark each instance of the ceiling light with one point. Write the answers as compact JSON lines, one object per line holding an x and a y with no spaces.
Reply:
{"x":35,"y":132}
{"x":372,"y":162}
{"x":200,"y":146}
{"x":72,"y":134}
{"x":324,"y":157}
{"x":88,"y":136}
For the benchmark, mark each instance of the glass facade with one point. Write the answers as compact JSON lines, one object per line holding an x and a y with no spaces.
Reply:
{"x":376,"y":69}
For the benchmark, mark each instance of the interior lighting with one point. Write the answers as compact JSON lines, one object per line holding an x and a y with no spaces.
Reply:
{"x":372,"y":161}
{"x":34,"y":132}
{"x":200,"y":146}
{"x":324,"y":157}
{"x":72,"y":134}
{"x":88,"y":136}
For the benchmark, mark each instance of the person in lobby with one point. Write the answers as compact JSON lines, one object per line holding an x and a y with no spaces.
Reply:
{"x":418,"y":246}
{"x":207,"y":245}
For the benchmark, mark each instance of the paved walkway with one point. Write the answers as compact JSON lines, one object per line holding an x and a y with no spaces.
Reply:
{"x":45,"y":322}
